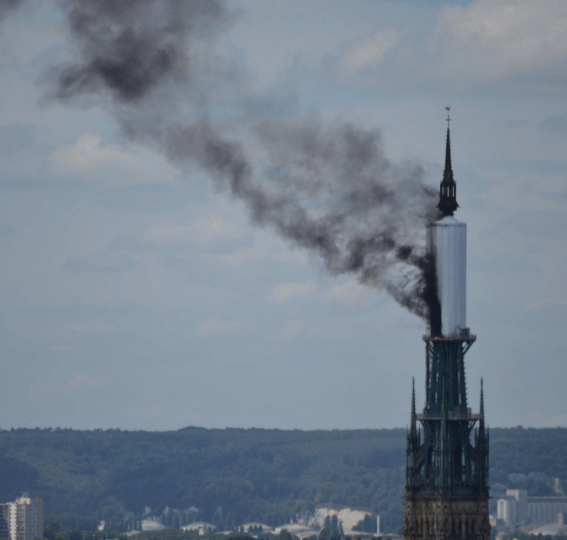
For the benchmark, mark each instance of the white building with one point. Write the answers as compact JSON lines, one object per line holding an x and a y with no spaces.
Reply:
{"x":517,"y":509}
{"x":23,"y":518}
{"x":521,"y":498}
{"x":508,"y":511}
{"x":513,"y":508}
{"x":200,"y":526}
{"x":545,"y":510}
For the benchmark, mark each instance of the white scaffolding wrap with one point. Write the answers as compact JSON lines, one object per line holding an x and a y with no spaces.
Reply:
{"x":447,"y":241}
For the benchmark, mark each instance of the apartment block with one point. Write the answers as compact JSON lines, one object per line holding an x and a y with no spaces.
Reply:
{"x":22,"y":519}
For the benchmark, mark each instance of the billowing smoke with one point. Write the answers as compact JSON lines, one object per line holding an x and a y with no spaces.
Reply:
{"x":323,"y":186}
{"x":129,"y":48}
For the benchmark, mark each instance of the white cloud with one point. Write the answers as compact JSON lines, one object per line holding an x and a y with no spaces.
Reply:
{"x":545,"y":305}
{"x":204,"y":231}
{"x":88,"y":158}
{"x":87,"y":154}
{"x":525,"y":24}
{"x":100,"y":263}
{"x":79,"y":383}
{"x":291,"y":329}
{"x":369,"y":52}
{"x":284,"y":293}
{"x":498,"y":39}
{"x":147,"y":412}
{"x":512,"y":43}
{"x":559,"y":420}
{"x":215,"y":327}
{"x":265,"y":247}
{"x":539,"y":419}
{"x":349,"y":292}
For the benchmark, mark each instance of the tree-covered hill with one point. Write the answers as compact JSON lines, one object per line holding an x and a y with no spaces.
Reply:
{"x":234,"y":476}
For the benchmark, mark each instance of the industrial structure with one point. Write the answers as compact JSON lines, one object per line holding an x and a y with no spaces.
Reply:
{"x":516,"y":508}
{"x":446,"y":474}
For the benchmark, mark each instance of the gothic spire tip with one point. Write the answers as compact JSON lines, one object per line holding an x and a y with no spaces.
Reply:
{"x":448,"y":189}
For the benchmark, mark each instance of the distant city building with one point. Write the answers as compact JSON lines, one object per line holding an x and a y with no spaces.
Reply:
{"x":553,"y":529}
{"x":152,"y":525}
{"x":507,"y":511}
{"x":521,"y":498}
{"x":516,"y":508}
{"x":4,"y":519}
{"x":546,"y":510}
{"x":348,"y":517}
{"x":200,"y":526}
{"x":513,"y":508}
{"x":23,"y":519}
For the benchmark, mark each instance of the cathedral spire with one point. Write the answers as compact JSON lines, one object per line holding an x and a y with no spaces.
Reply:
{"x":481,"y":400}
{"x":448,"y":164}
{"x":442,"y":467}
{"x":413,"y":443}
{"x":481,"y":428}
{"x":447,"y":488}
{"x":482,"y":446}
{"x":413,"y":427}
{"x":448,"y":189}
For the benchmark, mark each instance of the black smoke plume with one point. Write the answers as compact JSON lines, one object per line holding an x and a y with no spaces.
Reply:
{"x":129,"y":48}
{"x":323,"y":186}
{"x":430,"y":295}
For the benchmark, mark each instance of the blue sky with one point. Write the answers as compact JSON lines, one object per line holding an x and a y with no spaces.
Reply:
{"x":136,"y":294}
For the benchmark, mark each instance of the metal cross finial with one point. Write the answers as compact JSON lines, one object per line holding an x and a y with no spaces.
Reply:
{"x":448,"y":116}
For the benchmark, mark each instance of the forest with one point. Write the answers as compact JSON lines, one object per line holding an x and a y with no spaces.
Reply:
{"x":232,"y":476}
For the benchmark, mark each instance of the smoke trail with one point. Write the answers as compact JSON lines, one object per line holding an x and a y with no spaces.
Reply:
{"x":326,"y":187}
{"x":128,"y":48}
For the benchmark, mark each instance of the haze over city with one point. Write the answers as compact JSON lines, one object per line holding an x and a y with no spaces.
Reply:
{"x":140,"y":291}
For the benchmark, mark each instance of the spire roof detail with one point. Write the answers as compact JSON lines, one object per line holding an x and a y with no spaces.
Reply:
{"x":448,"y":167}
{"x":448,"y":188}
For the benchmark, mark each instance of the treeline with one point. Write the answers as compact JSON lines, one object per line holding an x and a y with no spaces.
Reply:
{"x":522,"y":451}
{"x":233,"y":476}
